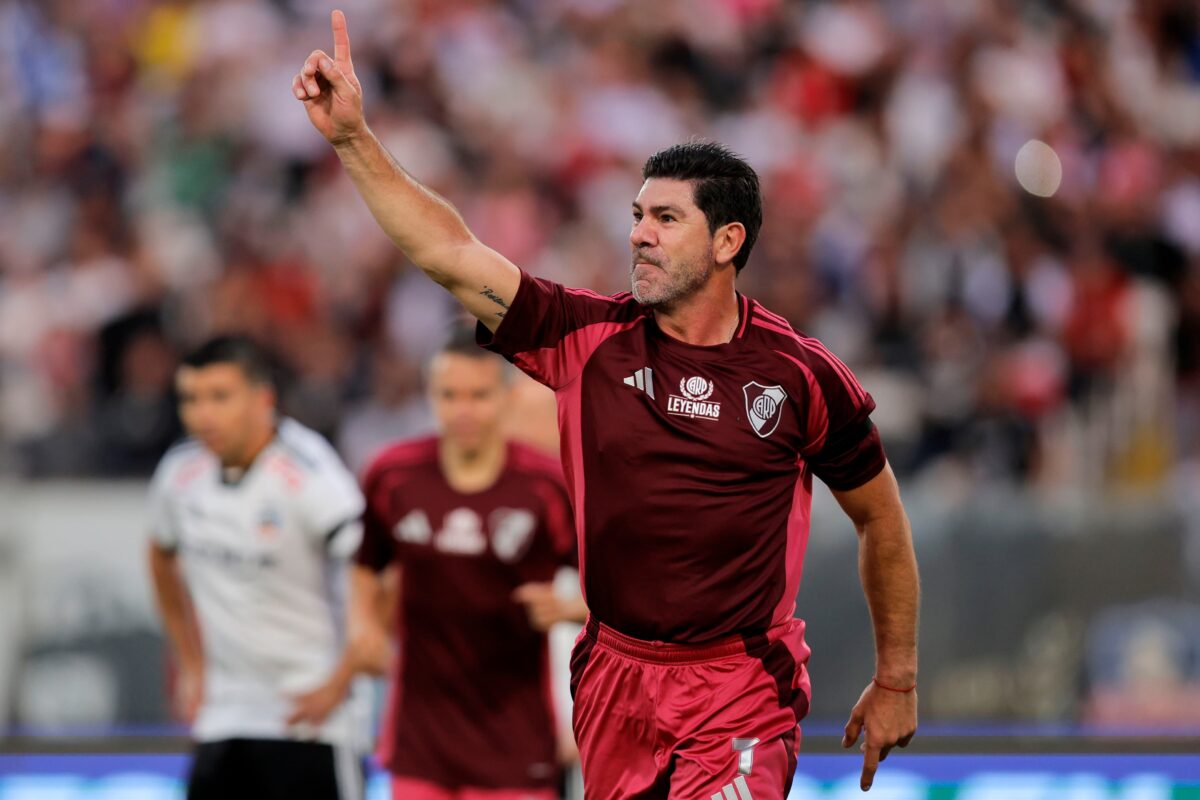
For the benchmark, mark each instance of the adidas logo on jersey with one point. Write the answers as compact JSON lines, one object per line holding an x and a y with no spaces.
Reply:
{"x":642,"y":379}
{"x":738,"y":790}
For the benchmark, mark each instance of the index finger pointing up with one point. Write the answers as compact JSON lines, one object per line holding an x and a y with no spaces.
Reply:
{"x":341,"y":39}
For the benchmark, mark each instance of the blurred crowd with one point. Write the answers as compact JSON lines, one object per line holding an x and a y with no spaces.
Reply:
{"x":159,"y":183}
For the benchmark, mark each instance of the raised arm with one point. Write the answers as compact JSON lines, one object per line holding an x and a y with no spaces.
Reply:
{"x":422,"y":224}
{"x":887,"y":709}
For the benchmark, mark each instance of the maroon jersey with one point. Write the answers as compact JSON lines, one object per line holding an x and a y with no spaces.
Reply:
{"x":471,"y":701}
{"x":690,"y":468}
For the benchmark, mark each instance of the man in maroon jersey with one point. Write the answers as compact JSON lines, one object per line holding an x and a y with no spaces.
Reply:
{"x":692,"y":422}
{"x":477,"y":527}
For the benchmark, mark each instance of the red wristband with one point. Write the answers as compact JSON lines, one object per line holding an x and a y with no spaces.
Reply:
{"x":890,"y":689}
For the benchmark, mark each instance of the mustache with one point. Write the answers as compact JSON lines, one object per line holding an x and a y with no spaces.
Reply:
{"x":640,"y":256}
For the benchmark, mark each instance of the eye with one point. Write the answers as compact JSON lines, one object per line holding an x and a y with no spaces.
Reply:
{"x":667,"y":218}
{"x":637,"y":216}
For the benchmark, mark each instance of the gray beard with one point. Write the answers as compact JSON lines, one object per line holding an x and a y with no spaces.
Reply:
{"x":682,"y":284}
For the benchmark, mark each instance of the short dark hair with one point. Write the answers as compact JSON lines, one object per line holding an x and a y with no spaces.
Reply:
{"x":242,"y":351}
{"x":461,"y":342}
{"x":724,"y":186}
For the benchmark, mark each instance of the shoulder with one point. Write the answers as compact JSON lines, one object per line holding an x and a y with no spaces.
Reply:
{"x":617,"y":300}
{"x":776,"y":336}
{"x":621,"y":305}
{"x":183,"y":449}
{"x":773,"y":332}
{"x":401,"y":457}
{"x":529,"y":462}
{"x":305,"y":447}
{"x":815,"y":372}
{"x":185,"y":457}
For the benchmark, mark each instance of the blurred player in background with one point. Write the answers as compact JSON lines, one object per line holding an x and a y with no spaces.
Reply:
{"x":693,"y":420}
{"x":253,"y":521}
{"x":476,"y":527}
{"x":533,"y":415}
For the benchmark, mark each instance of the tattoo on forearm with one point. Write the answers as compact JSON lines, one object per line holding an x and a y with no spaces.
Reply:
{"x":495,"y":298}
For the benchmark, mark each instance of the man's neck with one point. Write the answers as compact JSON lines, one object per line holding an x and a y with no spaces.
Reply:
{"x":242,"y":462}
{"x":707,"y":317}
{"x":474,"y":470}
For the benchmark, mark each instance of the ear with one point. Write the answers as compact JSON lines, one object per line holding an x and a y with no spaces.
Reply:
{"x":727,"y":241}
{"x":268,"y":396}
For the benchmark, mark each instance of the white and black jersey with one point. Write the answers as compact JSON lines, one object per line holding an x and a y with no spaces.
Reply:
{"x":264,"y":555}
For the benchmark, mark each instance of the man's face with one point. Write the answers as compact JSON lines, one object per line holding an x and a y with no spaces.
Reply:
{"x":671,"y":243}
{"x":226,"y":411}
{"x":469,"y":397}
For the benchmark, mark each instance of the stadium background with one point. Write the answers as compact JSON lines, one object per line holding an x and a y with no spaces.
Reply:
{"x":1036,"y":360}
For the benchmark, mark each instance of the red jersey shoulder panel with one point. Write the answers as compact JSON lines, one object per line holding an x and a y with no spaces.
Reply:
{"x":550,"y":331}
{"x":831,"y":383}
{"x":842,"y":445}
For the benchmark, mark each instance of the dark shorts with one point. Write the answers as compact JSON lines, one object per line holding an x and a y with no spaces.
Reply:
{"x":273,"y":769}
{"x":680,"y":722}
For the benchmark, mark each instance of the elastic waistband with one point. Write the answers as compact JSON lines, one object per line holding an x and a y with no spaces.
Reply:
{"x":670,"y":653}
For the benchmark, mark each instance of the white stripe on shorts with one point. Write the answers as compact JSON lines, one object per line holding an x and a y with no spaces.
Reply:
{"x":348,"y":771}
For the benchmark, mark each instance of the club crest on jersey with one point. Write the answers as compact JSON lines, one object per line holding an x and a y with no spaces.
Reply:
{"x":692,"y":400}
{"x":764,"y":407}
{"x":512,"y":532}
{"x":269,"y":523}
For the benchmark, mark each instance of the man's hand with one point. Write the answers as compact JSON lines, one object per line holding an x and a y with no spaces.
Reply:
{"x":329,"y":89}
{"x":545,"y":606}
{"x":889,"y":719}
{"x":189,"y":693}
{"x":420,"y":222}
{"x":314,"y":706}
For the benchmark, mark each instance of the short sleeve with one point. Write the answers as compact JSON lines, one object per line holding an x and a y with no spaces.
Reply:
{"x":842,"y":445}
{"x":344,"y":541}
{"x":161,"y":511}
{"x":332,"y":506}
{"x":376,"y":550}
{"x":550,"y":331}
{"x":851,"y":458}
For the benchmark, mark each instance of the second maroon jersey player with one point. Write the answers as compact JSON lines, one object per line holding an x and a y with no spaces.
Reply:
{"x":475,"y":526}
{"x":470,"y":697}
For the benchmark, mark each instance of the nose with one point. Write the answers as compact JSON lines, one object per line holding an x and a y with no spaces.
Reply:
{"x":642,"y":234}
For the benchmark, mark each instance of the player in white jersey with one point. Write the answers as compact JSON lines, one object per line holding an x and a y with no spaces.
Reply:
{"x":253,"y":521}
